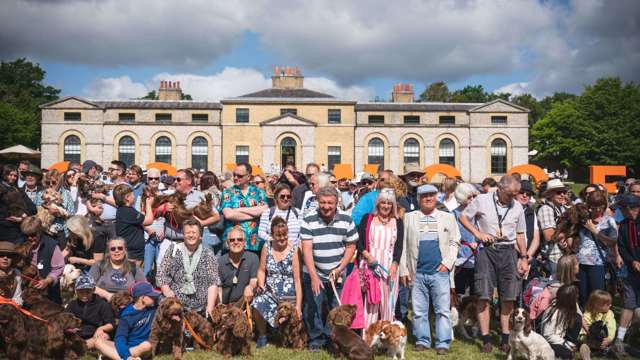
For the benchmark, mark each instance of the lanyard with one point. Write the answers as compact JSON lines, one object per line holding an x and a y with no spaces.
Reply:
{"x":500,"y":218}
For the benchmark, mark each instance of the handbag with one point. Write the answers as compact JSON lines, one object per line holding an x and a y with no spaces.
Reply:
{"x":352,"y":295}
{"x":370,"y":280}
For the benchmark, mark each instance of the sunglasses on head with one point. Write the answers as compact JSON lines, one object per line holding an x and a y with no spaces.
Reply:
{"x":116,"y":248}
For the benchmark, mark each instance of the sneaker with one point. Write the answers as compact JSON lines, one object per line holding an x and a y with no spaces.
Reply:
{"x":487,"y":348}
{"x":585,"y":352}
{"x":261,"y":342}
{"x":442,"y":351}
{"x":618,"y":348}
{"x":420,"y":348}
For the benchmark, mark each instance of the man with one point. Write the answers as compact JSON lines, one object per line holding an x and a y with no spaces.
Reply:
{"x":502,"y":261}
{"x":242,"y":204}
{"x":310,"y":202}
{"x":345,"y":193}
{"x":549,"y":212}
{"x":108,"y":217}
{"x":32,"y":185}
{"x":629,"y":248}
{"x":411,"y":176}
{"x":238,"y":270}
{"x":489,"y":185}
{"x":367,"y":202}
{"x":328,"y":243}
{"x":23,"y":167}
{"x":431,"y":243}
{"x":300,"y":190}
{"x":532,"y":233}
{"x":134,"y":177}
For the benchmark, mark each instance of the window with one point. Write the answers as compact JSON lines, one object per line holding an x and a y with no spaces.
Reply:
{"x":376,"y":119}
{"x":498,"y":156}
{"x":447,"y":152}
{"x":335,"y":116}
{"x":411,"y":151}
{"x":163,"y":150}
{"x":242,"y":115}
{"x":72,"y":148}
{"x":127,"y":117}
{"x":200,"y":118}
{"x":199,"y":153}
{"x":289,"y":111}
{"x":127,"y":150}
{"x":500,"y":120}
{"x":287,"y":152}
{"x":334,"y":156}
{"x":163,"y":118}
{"x":72,"y":116}
{"x":412,"y":119}
{"x":376,"y":152}
{"x":242,"y":154}
{"x":447,"y":120}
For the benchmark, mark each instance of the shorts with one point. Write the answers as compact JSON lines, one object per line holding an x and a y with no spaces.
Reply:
{"x":497,"y":267}
{"x":631,"y":291}
{"x":136,"y":254}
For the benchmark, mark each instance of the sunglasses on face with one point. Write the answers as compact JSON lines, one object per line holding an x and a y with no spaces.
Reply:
{"x":116,"y":248}
{"x":284,"y":197}
{"x":153,"y":178}
{"x":3,"y":255}
{"x":525,"y":194}
{"x":239,"y":175}
{"x":334,"y":182}
{"x":259,"y":182}
{"x":561,"y":192}
{"x":237,"y":239}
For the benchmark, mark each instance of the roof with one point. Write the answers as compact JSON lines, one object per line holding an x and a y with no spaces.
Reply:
{"x":286,"y":93}
{"x":518,"y":107}
{"x":419,"y":106}
{"x":275,"y":119}
{"x":140,"y":104}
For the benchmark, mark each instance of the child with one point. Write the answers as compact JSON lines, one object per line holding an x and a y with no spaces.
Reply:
{"x":134,"y":328}
{"x":96,"y":314}
{"x":130,"y":222}
{"x":566,"y":273}
{"x":598,"y":308}
{"x":562,"y":321}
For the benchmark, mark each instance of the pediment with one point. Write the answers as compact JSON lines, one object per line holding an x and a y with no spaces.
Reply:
{"x":288,"y":120}
{"x":498,"y":106}
{"x":70,"y":102}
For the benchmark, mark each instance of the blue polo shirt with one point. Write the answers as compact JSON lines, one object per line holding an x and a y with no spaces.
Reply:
{"x":429,"y":256}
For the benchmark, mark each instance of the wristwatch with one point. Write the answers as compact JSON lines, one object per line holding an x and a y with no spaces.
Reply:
{"x":526,"y":256}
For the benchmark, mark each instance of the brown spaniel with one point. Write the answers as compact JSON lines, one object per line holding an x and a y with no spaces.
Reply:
{"x":119,"y":301}
{"x":202,"y":328}
{"x":236,"y":332}
{"x":293,"y":334}
{"x":345,"y":342}
{"x":204,"y":209}
{"x":167,"y":329}
{"x":569,"y":225}
{"x":13,"y":332}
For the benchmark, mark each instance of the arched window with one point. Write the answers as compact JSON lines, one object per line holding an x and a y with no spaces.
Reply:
{"x":163,"y":149}
{"x":199,"y":153}
{"x":447,"y":152}
{"x":72,"y":148}
{"x":376,"y":152}
{"x":498,"y":156}
{"x":287,"y":152}
{"x":411,"y":151}
{"x":127,"y":150}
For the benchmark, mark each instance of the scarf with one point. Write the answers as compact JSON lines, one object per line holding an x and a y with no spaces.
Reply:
{"x":190,"y":264}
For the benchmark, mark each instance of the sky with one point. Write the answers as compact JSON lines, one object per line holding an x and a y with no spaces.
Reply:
{"x":121,"y":49}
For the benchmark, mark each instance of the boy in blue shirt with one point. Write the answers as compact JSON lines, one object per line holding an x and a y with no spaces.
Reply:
{"x":134,"y":328}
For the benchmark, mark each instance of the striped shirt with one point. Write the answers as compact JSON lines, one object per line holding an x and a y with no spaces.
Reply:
{"x":329,"y":240}
{"x":293,"y":224}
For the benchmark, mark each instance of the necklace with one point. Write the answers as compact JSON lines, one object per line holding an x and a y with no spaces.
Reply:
{"x":384,"y":222}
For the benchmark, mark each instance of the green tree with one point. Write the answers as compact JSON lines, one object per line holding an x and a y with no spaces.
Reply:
{"x":494,"y":96}
{"x":470,"y":94}
{"x":548,"y":101}
{"x":22,"y":91}
{"x":531,"y":103}
{"x":437,"y":91}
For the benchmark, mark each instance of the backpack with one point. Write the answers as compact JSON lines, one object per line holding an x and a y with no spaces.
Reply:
{"x":533,"y":290}
{"x":272,"y":210}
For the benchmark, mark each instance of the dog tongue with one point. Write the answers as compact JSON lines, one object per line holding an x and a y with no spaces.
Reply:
{"x":176,"y":318}
{"x":282,"y":320}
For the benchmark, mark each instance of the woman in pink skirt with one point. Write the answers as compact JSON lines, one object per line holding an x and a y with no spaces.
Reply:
{"x":380,"y":247}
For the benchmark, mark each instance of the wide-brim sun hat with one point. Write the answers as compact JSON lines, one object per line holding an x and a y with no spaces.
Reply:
{"x":555,"y":184}
{"x":412,"y":168}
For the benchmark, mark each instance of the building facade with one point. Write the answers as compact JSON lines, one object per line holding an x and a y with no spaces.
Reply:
{"x":288,"y":124}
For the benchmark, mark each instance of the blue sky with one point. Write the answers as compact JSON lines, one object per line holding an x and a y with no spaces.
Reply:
{"x":351,"y":49}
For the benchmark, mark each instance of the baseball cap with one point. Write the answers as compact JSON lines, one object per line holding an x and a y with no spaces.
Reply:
{"x":629,"y":200}
{"x":143,"y":288}
{"x":427,"y":189}
{"x":85,"y":282}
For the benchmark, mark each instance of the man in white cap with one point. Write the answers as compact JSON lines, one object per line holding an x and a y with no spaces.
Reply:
{"x":431,"y":243}
{"x":553,"y":206}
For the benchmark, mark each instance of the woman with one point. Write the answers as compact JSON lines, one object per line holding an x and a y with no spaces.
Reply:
{"x":449,"y":199}
{"x":562,"y":323}
{"x":115,"y":272}
{"x":465,"y":263}
{"x":380,"y":245}
{"x":598,"y":234}
{"x":261,"y":183}
{"x":14,"y":206}
{"x":209,"y":184}
{"x":278,"y":279}
{"x":69,"y":191}
{"x":10,"y":176}
{"x":189,"y":271}
{"x":10,"y":279}
{"x":81,"y":250}
{"x":284,"y":209}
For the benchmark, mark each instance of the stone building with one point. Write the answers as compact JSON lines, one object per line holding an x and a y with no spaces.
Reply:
{"x":288,"y":123}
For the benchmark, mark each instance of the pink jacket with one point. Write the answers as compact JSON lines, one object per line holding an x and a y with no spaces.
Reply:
{"x":542,"y":301}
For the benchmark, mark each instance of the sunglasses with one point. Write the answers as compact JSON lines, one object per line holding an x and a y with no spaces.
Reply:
{"x":179,"y":180}
{"x":525,"y":194}
{"x":5,"y":255}
{"x":334,"y":182}
{"x":239,"y":175}
{"x":153,"y":178}
{"x":561,"y":192}
{"x":259,"y":182}
{"x":116,"y":248}
{"x":238,"y":239}
{"x":284,"y":197}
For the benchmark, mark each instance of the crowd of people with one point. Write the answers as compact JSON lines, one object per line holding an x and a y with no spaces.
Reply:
{"x":405,"y":243}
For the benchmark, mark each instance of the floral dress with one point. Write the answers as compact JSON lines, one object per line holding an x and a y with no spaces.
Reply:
{"x":279,"y":284}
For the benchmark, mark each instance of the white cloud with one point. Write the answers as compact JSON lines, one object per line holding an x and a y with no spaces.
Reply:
{"x":115,"y":88}
{"x":517,"y":88}
{"x":230,"y":82}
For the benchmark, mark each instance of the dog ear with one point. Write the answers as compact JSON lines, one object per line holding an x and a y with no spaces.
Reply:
{"x":512,"y":320}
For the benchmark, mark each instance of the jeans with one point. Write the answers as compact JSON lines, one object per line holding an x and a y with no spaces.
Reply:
{"x":433,"y":288}
{"x":402,"y":306}
{"x":312,"y":310}
{"x":590,"y":277}
{"x":151,"y":248}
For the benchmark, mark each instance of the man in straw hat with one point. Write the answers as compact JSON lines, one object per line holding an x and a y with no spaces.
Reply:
{"x":411,"y":176}
{"x":553,"y":206}
{"x":8,"y":255}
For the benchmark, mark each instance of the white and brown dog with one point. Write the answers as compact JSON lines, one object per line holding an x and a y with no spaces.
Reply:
{"x":68,"y":282}
{"x":390,"y":337}
{"x":526,"y":341}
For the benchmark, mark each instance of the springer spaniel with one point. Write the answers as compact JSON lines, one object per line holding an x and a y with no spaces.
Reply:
{"x":526,"y":341}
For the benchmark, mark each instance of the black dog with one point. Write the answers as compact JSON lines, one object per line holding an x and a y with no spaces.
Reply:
{"x":597,"y":332}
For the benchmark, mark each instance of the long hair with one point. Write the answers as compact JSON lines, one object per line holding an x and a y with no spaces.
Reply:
{"x":51,"y":179}
{"x":566,"y":270}
{"x":79,"y":226}
{"x":106,"y":262}
{"x":387,"y":194}
{"x":565,"y":304}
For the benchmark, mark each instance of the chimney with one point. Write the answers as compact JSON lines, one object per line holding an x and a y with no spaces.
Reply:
{"x":402,"y":93}
{"x":286,"y":77}
{"x":170,"y":91}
